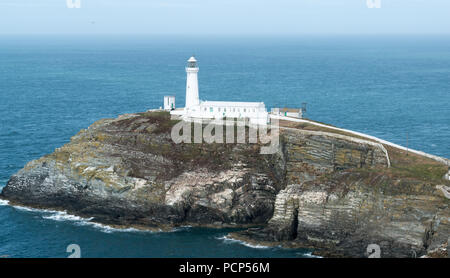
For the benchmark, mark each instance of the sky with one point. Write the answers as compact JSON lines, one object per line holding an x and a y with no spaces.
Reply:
{"x":225,"y":17}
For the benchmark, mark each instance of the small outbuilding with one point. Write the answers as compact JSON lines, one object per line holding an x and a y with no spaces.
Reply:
{"x":169,"y":103}
{"x":288,"y":112}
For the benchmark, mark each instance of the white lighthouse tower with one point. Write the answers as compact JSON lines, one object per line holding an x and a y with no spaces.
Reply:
{"x":255,"y":112}
{"x":192,"y":83}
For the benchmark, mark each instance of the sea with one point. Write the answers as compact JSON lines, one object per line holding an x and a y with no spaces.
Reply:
{"x":394,"y":87}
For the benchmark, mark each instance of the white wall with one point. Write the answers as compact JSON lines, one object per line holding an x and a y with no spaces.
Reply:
{"x":192,"y":87}
{"x":204,"y":110}
{"x":169,"y":102}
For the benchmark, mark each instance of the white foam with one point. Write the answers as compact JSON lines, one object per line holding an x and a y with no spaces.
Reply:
{"x":181,"y":228}
{"x":310,"y":255}
{"x":64,"y":216}
{"x":232,"y":240}
{"x":80,"y":221}
{"x":77,"y":220}
{"x":4,"y":202}
{"x":108,"y":229}
{"x":26,"y":208}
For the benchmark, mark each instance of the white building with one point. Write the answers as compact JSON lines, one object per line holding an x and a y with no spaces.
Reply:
{"x":169,"y":103}
{"x":255,"y":112}
{"x":288,"y":112}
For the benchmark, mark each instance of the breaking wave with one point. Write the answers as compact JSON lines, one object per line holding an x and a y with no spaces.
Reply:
{"x":63,"y":216}
{"x":310,"y":255}
{"x":227,"y":239}
{"x":181,"y":229}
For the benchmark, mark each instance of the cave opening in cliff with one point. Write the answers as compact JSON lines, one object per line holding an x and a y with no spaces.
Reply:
{"x":294,"y":224}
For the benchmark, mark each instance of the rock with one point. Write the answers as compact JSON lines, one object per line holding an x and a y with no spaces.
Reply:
{"x":334,"y":193}
{"x":447,"y":175}
{"x":127,"y":171}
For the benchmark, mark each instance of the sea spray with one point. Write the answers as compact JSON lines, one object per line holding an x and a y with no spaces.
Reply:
{"x":63,"y":216}
{"x":227,"y":239}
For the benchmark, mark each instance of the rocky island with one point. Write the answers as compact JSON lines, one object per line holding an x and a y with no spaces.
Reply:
{"x":330,"y":191}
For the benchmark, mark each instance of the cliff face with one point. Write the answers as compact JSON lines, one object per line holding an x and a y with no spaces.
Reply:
{"x":127,"y":171}
{"x":345,"y":213}
{"x":341,"y":197}
{"x":323,"y":190}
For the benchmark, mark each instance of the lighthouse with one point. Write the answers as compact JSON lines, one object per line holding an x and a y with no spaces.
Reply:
{"x":195,"y":109}
{"x":192,"y":83}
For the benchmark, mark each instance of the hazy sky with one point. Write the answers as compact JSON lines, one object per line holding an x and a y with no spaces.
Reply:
{"x":224,"y":17}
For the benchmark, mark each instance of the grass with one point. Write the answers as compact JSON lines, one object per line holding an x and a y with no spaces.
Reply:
{"x":311,"y":127}
{"x":151,"y":129}
{"x":412,"y":165}
{"x":162,"y":119}
{"x":219,"y":155}
{"x":403,"y":165}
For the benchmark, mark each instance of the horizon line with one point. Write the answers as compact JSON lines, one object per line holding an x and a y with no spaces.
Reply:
{"x":227,"y":34}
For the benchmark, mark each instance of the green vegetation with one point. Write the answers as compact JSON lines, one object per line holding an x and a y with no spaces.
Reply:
{"x":220,"y":156}
{"x":403,"y":165}
{"x":415,"y":166}
{"x":161,"y":119}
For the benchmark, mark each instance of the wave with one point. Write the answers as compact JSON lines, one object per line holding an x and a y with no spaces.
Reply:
{"x":181,"y":229}
{"x":56,"y":215}
{"x":81,"y":221}
{"x":31,"y":209}
{"x":310,"y":255}
{"x":108,"y":229}
{"x":232,"y":240}
{"x":64,"y":216}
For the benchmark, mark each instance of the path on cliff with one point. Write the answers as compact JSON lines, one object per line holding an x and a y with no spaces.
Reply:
{"x":434,"y":157}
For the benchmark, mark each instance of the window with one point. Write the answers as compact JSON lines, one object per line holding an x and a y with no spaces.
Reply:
{"x":224,"y":110}
{"x":219,"y":109}
{"x":211,"y":109}
{"x":204,"y":109}
{"x":254,"y":110}
{"x":245,"y":110}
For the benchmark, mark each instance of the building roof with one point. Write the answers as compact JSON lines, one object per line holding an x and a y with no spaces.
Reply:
{"x":232,"y":104}
{"x":192,"y":59}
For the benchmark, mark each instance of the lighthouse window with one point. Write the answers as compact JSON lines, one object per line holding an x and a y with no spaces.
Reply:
{"x":205,"y":109}
{"x":211,"y":109}
{"x":244,"y":110}
{"x":219,"y":109}
{"x":224,"y":110}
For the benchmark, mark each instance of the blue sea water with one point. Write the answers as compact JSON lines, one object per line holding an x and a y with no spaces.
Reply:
{"x":53,"y":86}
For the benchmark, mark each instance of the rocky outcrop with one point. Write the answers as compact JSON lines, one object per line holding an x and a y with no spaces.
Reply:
{"x":324,"y":190}
{"x":310,"y":154}
{"x":339,"y":203}
{"x":127,"y":171}
{"x":345,"y":214}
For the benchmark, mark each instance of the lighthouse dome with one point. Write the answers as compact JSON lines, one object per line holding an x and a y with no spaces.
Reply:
{"x":192,"y":63}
